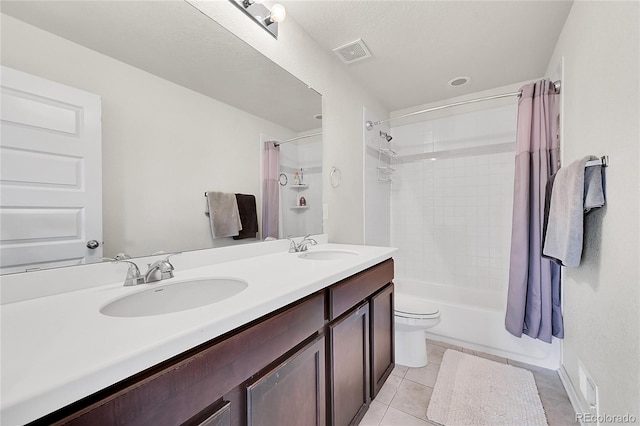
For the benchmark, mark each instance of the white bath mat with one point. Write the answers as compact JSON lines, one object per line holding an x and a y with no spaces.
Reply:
{"x":475,"y":391}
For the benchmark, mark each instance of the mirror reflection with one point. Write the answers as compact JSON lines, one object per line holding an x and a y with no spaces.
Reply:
{"x":300,"y":186}
{"x":117,"y":117}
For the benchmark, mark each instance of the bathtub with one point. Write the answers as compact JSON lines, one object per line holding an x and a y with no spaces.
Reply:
{"x":474,"y":319}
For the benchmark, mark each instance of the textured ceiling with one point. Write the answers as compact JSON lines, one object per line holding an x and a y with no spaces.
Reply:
{"x":177,"y":42}
{"x":418,"y":46}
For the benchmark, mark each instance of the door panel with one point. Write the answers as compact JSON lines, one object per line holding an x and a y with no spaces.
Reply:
{"x":293,"y":393}
{"x":382,"y":335}
{"x":350,"y":394}
{"x":222,"y":417}
{"x":50,"y":174}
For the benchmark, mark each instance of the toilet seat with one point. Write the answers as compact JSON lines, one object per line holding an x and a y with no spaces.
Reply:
{"x":409,"y":307}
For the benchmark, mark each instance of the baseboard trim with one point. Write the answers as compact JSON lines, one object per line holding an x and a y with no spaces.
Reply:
{"x":574,"y":398}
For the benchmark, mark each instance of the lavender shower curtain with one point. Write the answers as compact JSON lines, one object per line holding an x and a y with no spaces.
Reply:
{"x":270,"y":190}
{"x":533,"y":304}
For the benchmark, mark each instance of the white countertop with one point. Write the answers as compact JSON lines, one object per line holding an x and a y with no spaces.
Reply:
{"x":60,"y":348}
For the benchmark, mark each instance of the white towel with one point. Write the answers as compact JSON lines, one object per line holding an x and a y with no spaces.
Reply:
{"x":223,"y":214}
{"x":571,"y":197}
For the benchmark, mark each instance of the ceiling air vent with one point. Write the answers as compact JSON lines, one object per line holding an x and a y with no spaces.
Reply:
{"x":352,"y":52}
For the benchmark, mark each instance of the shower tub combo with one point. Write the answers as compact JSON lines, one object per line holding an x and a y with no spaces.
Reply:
{"x":475,"y":319}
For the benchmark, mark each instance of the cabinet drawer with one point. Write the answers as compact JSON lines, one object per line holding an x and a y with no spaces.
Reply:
{"x":351,"y":291}
{"x":176,"y":390}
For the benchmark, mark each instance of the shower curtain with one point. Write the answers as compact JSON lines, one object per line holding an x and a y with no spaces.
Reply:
{"x":270,"y":190}
{"x":533,"y":303}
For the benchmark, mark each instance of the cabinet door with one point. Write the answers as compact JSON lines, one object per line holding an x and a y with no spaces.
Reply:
{"x":349,"y":367}
{"x":382,"y":347}
{"x":222,"y":417}
{"x":293,"y":393}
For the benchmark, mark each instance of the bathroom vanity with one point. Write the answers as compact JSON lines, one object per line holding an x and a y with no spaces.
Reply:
{"x":318,"y":354}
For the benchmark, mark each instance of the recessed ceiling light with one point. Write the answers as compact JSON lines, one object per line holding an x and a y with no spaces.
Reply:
{"x":459,"y":81}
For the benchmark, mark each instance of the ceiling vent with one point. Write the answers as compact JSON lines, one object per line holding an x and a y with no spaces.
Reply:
{"x":353,"y":52}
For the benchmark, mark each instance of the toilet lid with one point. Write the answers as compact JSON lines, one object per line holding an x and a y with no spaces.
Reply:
{"x":411,"y":307}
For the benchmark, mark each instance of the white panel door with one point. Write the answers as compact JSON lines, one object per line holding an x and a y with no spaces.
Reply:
{"x":50,"y":174}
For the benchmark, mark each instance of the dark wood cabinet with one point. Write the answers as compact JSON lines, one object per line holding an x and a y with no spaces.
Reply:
{"x":186,"y":387}
{"x":221,"y":417}
{"x":349,"y":366}
{"x":317,"y":361}
{"x":292,"y":393}
{"x":382,"y":335}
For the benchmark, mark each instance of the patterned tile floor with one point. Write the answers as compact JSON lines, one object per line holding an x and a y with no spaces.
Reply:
{"x":404,"y":398}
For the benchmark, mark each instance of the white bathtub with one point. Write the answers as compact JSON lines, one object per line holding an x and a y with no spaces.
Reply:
{"x":475,"y":319}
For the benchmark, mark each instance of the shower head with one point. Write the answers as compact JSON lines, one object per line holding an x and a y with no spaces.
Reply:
{"x":385,"y":135}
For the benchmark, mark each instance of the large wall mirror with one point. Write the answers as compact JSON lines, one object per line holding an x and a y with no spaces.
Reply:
{"x":183,"y":107}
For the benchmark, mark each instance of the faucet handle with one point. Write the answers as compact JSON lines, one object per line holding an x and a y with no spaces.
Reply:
{"x":293,"y":247}
{"x":304,"y":244}
{"x":133,"y":273}
{"x":168,"y":265}
{"x":165,"y":267}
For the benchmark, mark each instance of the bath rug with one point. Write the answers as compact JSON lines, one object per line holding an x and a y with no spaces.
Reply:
{"x":471,"y":390}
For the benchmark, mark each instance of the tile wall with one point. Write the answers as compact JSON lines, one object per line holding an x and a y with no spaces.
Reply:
{"x":451,"y":217}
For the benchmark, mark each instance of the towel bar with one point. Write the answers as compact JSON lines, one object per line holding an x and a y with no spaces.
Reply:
{"x":603,"y":161}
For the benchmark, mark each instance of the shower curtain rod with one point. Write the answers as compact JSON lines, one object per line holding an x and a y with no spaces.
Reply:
{"x":370,"y":124}
{"x":299,"y":137}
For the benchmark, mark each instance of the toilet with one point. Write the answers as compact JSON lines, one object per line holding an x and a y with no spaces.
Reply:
{"x":412,"y":317}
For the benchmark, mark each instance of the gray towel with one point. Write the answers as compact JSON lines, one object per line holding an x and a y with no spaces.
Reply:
{"x":223,"y":214}
{"x":575,"y":191}
{"x":593,"y":188}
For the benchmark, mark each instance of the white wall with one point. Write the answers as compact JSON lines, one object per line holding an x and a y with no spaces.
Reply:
{"x":343,"y":100}
{"x":600,"y":92}
{"x":377,"y":210}
{"x":163,"y":145}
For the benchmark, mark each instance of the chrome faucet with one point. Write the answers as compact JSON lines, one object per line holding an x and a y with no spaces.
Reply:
{"x":302,"y":245}
{"x":133,"y":274}
{"x":158,"y":271}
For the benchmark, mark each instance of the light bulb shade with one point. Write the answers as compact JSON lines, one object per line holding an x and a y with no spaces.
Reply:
{"x":278,"y":13}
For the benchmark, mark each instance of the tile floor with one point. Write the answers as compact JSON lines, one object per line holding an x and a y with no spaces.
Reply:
{"x":404,"y":398}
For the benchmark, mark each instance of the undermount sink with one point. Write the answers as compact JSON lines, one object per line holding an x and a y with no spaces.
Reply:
{"x":174,"y":297}
{"x":327,"y":255}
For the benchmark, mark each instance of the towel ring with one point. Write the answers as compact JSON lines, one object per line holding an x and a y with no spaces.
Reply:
{"x":335,"y":177}
{"x":283,"y":179}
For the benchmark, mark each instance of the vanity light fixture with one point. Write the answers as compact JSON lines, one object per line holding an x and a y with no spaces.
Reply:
{"x":267,"y":19}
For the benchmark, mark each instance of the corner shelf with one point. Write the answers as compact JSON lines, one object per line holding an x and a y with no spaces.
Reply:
{"x":299,"y":207}
{"x":301,"y":186}
{"x":385,"y":158}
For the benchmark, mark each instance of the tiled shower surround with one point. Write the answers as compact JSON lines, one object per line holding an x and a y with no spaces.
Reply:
{"x":451,"y":217}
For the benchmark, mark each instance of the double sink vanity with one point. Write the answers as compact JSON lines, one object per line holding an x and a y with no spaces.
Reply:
{"x":275,"y":338}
